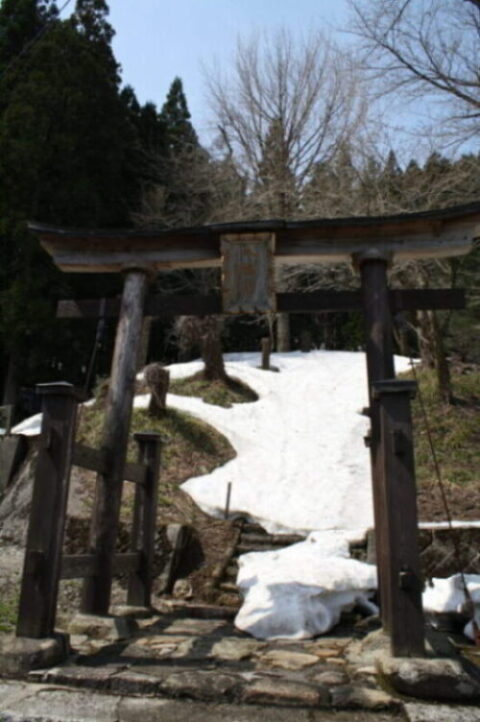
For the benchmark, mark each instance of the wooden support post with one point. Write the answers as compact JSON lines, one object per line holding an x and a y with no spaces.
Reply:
{"x":103,"y":532}
{"x":380,"y":366}
{"x":405,"y":594}
{"x":144,"y":520}
{"x":41,"y":570}
{"x":266,"y":350}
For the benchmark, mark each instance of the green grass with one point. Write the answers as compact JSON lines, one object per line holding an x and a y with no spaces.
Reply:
{"x":217,"y":393}
{"x":8,"y":614}
{"x":455,"y":428}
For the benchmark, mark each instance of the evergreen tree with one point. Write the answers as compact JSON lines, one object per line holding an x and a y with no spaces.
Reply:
{"x":180,"y":133}
{"x":182,"y":191}
{"x":66,"y":157}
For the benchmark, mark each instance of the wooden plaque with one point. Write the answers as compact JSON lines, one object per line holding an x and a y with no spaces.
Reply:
{"x":247,"y":280}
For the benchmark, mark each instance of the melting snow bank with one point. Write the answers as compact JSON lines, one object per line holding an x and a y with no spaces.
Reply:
{"x":301,"y":461}
{"x":447,"y":595}
{"x":301,"y":591}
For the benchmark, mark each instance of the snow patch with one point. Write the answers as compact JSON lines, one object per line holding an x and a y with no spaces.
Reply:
{"x":448,"y":595}
{"x":301,"y":591}
{"x":301,"y":461}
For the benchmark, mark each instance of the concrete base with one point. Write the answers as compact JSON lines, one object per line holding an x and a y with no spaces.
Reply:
{"x":96,"y":627}
{"x":19,"y":655}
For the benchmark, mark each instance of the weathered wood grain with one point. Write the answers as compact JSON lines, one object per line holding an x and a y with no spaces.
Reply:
{"x":103,"y":533}
{"x":430,"y":234}
{"x":405,"y":594}
{"x":41,"y":572}
{"x":380,"y":366}
{"x":144,"y":520}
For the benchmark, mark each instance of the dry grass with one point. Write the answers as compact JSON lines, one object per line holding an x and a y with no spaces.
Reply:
{"x":219,"y":393}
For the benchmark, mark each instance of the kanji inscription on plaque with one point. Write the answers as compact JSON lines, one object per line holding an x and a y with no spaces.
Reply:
{"x":247,"y":281}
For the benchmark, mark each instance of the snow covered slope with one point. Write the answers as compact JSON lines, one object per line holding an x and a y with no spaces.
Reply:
{"x":301,"y":461}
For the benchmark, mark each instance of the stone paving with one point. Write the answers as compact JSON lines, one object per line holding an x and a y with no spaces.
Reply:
{"x":188,"y":664}
{"x":22,"y":702}
{"x":209,"y":660}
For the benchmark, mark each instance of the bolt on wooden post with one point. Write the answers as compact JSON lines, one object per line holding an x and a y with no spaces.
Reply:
{"x":144,"y":519}
{"x":397,"y":459}
{"x":41,"y":571}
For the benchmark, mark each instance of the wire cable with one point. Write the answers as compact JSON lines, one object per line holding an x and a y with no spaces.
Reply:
{"x":441,"y":485}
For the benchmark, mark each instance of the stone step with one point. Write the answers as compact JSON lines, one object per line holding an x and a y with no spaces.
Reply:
{"x":280,"y":540}
{"x":245,"y":548}
{"x":229,"y":599}
{"x":229,"y":587}
{"x":231,"y":571}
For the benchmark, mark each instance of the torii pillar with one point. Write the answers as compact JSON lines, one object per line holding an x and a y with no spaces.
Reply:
{"x":393,"y":476}
{"x":108,"y":496}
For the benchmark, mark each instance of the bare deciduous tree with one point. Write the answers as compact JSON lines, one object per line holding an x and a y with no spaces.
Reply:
{"x":283,"y":107}
{"x":426,"y":48}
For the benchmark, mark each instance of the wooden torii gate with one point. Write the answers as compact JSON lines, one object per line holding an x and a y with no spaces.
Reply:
{"x":247,"y":253}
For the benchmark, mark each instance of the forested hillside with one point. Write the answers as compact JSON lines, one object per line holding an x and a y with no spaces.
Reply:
{"x":78,"y":149}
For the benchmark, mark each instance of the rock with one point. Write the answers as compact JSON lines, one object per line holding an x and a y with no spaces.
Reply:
{"x":365,"y":671}
{"x":182,"y":589}
{"x":437,"y":679}
{"x":98,"y":627}
{"x":325,"y":652}
{"x":372,"y":649}
{"x":351,"y":696}
{"x":78,"y":640}
{"x":160,"y":646}
{"x":280,"y":691}
{"x":440,"y":713}
{"x":21,"y":654}
{"x":55,"y":705}
{"x":288,"y":660}
{"x":234,"y":649}
{"x":201,"y":685}
{"x":331,"y":678}
{"x":338,"y":661}
{"x":178,"y":537}
{"x":130,"y":682}
{"x":126,"y":610}
{"x":81,"y":676}
{"x":197,"y":627}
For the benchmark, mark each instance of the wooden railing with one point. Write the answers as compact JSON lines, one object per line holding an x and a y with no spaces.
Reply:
{"x":44,"y":563}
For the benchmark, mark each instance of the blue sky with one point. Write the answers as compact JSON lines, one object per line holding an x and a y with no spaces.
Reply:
{"x":157,"y":40}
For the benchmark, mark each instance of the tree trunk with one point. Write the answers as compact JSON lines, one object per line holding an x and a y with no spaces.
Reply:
{"x":425,"y":340}
{"x":283,"y":332}
{"x":212,"y":356}
{"x":432,"y":353}
{"x":441,"y":363}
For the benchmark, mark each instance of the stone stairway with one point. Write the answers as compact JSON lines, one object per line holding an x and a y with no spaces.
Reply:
{"x":250,"y":538}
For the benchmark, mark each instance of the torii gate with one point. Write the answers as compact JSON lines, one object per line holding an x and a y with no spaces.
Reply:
{"x":247,"y":252}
